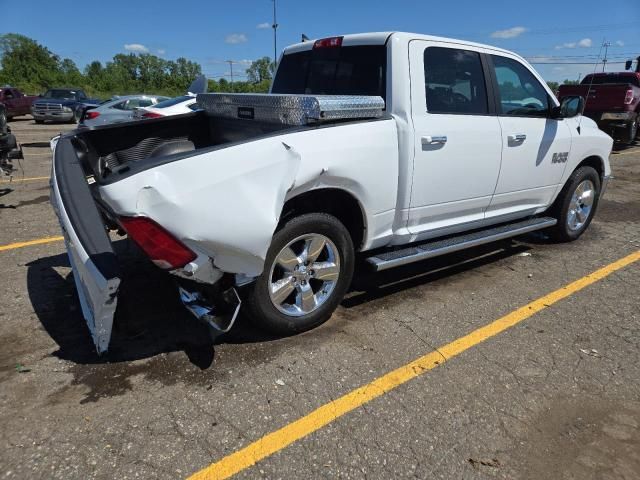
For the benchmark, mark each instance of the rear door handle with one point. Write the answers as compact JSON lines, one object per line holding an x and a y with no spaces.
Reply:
{"x":518,"y":137}
{"x":434,"y":140}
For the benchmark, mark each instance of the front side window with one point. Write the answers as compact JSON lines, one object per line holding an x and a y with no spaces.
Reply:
{"x":520,"y":93}
{"x":454,"y":81}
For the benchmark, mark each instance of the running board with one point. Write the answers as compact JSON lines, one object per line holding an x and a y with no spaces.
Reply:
{"x":430,"y":249}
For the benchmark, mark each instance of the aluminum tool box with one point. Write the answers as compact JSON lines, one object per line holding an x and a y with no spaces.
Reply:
{"x":290,"y":109}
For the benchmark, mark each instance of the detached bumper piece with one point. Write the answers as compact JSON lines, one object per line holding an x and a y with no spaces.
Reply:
{"x":221,"y":316}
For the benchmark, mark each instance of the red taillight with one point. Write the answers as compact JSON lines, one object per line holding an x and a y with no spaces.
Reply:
{"x":90,"y":115}
{"x":163,"y":249}
{"x":330,"y":42}
{"x":628,"y":97}
{"x":152,"y":115}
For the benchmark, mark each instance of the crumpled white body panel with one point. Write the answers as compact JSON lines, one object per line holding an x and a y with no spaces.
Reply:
{"x":227,"y":203}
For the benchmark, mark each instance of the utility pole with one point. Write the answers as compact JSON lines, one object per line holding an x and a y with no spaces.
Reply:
{"x":275,"y":34}
{"x":606,"y":46}
{"x":231,"y":62}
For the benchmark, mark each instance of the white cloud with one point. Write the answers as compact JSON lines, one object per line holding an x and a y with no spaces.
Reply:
{"x":584,"y":43}
{"x":161,"y":51}
{"x":262,"y":26}
{"x":512,"y":32}
{"x":620,"y":43}
{"x":236,"y":38}
{"x":135,"y":48}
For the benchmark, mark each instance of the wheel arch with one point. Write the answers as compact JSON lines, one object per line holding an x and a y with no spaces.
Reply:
{"x":594,"y":161}
{"x":334,"y":201}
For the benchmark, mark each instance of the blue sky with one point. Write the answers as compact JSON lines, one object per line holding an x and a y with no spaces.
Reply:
{"x":213,"y":31}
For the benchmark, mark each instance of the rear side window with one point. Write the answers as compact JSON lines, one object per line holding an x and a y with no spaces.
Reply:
{"x":358,"y":70}
{"x":520,"y":93}
{"x":454,"y":81}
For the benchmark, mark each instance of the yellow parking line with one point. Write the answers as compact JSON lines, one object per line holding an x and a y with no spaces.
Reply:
{"x":280,"y":439}
{"x":39,"y":241}
{"x":27,"y":179}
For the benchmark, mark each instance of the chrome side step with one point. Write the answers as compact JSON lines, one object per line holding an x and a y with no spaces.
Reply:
{"x":430,"y":249}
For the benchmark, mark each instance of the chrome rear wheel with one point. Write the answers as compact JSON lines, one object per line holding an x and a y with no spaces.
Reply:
{"x":304,"y":274}
{"x":307,"y":271}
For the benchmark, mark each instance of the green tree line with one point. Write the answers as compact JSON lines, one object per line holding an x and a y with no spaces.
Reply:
{"x":33,"y":68}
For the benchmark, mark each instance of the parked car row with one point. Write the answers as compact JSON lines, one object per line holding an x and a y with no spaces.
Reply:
{"x":73,"y":105}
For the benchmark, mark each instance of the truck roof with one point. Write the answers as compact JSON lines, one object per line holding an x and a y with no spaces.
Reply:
{"x":612,"y":74}
{"x":380,"y":38}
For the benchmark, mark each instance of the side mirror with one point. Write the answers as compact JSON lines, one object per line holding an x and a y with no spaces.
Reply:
{"x":570,"y":107}
{"x":628,"y":64}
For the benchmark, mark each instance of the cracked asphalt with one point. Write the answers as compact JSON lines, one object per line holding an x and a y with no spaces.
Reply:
{"x":557,"y":396}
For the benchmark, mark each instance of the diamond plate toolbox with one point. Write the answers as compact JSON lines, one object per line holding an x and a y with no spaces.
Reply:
{"x":290,"y":109}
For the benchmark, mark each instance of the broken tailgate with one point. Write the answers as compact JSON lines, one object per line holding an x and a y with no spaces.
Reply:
{"x":95,"y":266}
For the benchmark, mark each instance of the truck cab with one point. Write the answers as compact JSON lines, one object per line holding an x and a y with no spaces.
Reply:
{"x":463,"y":111}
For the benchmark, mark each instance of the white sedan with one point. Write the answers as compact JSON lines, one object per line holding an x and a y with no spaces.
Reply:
{"x":173,"y":106}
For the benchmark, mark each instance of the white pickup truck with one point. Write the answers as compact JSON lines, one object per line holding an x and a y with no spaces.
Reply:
{"x":395,"y":147}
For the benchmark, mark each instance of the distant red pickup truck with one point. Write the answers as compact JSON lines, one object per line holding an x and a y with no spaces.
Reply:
{"x":612,"y":100}
{"x":15,"y":102}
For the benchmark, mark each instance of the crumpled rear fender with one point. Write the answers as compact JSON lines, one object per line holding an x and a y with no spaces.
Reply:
{"x":225,"y":203}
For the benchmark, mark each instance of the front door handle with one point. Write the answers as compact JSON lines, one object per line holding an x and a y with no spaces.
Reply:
{"x":518,"y":137}
{"x":434,"y":140}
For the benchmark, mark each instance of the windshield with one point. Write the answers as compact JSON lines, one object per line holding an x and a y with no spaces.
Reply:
{"x":61,"y":94}
{"x":620,"y":78}
{"x":358,"y":70}
{"x":173,"y":101}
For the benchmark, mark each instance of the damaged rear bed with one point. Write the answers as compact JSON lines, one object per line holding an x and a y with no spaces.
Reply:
{"x":215,"y":181}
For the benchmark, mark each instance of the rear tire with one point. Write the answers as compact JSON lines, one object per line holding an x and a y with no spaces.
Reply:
{"x":39,"y":122}
{"x":576,"y":205}
{"x":307,"y":271}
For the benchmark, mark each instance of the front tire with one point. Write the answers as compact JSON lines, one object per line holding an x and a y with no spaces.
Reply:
{"x":576,"y":205}
{"x":308,"y":269}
